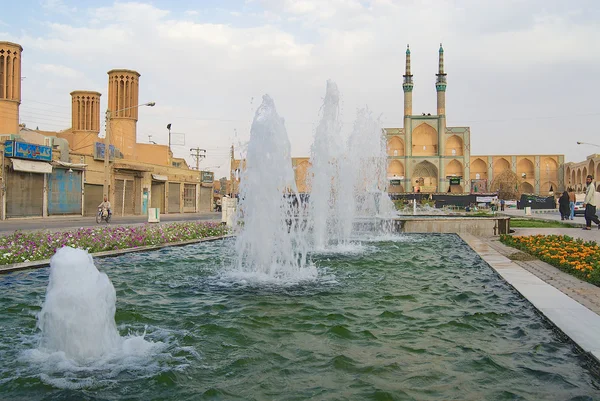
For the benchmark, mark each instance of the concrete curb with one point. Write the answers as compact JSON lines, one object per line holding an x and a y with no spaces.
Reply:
{"x":107,"y":254}
{"x":574,"y":320}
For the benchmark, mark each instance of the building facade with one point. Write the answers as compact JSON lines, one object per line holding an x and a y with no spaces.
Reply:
{"x":62,"y":173}
{"x":428,"y":156}
{"x":575,"y":173}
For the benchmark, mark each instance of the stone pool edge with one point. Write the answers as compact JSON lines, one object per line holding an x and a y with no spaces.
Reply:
{"x":107,"y":254}
{"x":576,"y":321}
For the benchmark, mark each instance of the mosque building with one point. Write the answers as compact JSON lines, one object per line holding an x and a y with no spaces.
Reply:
{"x":427,"y":156}
{"x":47,"y":173}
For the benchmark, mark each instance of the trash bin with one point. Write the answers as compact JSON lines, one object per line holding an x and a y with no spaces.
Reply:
{"x":153,"y":215}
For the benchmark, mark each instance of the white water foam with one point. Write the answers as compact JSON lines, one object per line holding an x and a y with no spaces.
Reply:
{"x":78,"y":333}
{"x":271,"y":243}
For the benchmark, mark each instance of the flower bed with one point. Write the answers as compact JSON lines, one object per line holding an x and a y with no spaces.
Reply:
{"x":573,"y":256}
{"x":26,"y":247}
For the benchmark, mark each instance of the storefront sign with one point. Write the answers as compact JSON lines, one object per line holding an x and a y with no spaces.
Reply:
{"x":454,"y":180}
{"x":29,"y":151}
{"x":208,"y":176}
{"x":99,"y":151}
{"x":395,"y":182}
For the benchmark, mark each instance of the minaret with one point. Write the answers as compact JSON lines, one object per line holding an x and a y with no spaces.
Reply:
{"x":10,"y":87}
{"x":85,"y":120}
{"x":440,"y":85}
{"x":123,"y":99}
{"x":407,"y":85}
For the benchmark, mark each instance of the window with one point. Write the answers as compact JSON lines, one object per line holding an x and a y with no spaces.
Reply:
{"x":477,"y":176}
{"x":395,"y":153}
{"x":453,"y":152}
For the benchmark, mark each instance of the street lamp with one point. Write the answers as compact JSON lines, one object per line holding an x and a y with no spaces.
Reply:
{"x":109,"y":114}
{"x":587,"y":143}
{"x":169,"y":128}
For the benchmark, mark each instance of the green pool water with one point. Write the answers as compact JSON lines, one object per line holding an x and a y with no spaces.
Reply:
{"x":415,"y":317}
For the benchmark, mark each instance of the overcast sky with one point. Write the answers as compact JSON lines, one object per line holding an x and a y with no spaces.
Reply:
{"x":524,"y":75}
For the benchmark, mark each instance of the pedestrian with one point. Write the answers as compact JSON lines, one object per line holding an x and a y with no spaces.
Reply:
{"x":590,"y":204}
{"x":563,"y":206}
{"x":572,"y":201}
{"x":501,"y":205}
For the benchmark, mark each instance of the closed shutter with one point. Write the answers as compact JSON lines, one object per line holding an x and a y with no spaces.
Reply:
{"x":93,"y":197}
{"x":129,"y":197}
{"x":117,"y":208}
{"x":24,"y":194}
{"x":205,"y":199}
{"x":64,"y":192}
{"x":157,"y":195}
{"x":189,"y":198}
{"x":174,"y":197}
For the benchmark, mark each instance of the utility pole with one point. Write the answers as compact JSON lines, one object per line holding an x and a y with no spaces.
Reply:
{"x":197,"y":156}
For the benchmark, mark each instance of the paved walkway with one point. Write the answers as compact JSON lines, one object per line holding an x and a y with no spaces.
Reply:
{"x":71,"y":222}
{"x":569,"y":304}
{"x":544,"y":214}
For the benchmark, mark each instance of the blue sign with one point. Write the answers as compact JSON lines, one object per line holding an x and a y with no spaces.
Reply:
{"x":30,"y":151}
{"x":99,"y":151}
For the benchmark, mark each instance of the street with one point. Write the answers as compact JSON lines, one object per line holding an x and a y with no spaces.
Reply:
{"x":70,"y":222}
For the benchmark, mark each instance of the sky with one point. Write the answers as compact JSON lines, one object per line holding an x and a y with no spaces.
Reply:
{"x":523,"y":74}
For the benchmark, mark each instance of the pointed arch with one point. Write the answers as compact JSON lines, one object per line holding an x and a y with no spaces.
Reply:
{"x":500,"y":165}
{"x":525,"y":166}
{"x":425,"y":175}
{"x":591,"y":167}
{"x":454,"y":168}
{"x":478,"y":166}
{"x":424,"y":140}
{"x":526,"y":188}
{"x":454,"y":146}
{"x":395,"y":169}
{"x":395,"y":146}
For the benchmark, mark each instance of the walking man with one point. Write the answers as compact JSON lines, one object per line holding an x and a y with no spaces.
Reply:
{"x":590,"y":204}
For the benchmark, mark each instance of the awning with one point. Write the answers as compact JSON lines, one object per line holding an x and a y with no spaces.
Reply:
{"x":158,"y":177}
{"x":30,"y":166}
{"x":132,"y":167}
{"x":77,"y":166}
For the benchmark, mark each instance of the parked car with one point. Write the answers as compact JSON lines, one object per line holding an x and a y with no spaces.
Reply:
{"x":579,"y":209}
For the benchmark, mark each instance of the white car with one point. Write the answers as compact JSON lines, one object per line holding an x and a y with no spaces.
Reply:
{"x":579,"y":209}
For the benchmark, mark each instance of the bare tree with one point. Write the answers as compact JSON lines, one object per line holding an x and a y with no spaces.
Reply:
{"x":506,"y":185}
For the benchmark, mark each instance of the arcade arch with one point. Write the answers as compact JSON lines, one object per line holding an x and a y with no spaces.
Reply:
{"x":424,"y":141}
{"x":395,"y":146}
{"x":478,"y":167}
{"x":500,"y":165}
{"x":454,"y":146}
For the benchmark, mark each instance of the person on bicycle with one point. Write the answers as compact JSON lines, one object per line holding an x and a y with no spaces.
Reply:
{"x":105,"y":206}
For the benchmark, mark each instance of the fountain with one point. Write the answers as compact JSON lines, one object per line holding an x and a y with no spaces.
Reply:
{"x":405,"y":317}
{"x":271,"y":242}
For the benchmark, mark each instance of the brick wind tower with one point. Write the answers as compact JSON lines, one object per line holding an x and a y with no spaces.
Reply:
{"x":123,"y":93}
{"x":85,"y":120}
{"x":10,"y":87}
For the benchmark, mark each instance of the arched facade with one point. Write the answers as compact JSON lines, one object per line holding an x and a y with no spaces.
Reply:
{"x":424,"y":140}
{"x":396,"y":169}
{"x":395,"y":146}
{"x":454,"y":146}
{"x":425,"y":177}
{"x":525,"y":166}
{"x":526,"y":188}
{"x":454,"y":168}
{"x":500,"y":165}
{"x":479,"y":170}
{"x":302,"y":178}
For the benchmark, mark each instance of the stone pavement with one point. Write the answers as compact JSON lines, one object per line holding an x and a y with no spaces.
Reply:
{"x":585,"y":293}
{"x":575,"y":313}
{"x":549,"y":215}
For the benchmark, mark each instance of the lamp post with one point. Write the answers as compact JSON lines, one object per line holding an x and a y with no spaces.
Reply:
{"x":109,"y":114}
{"x":169,"y":128}
{"x":587,"y":143}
